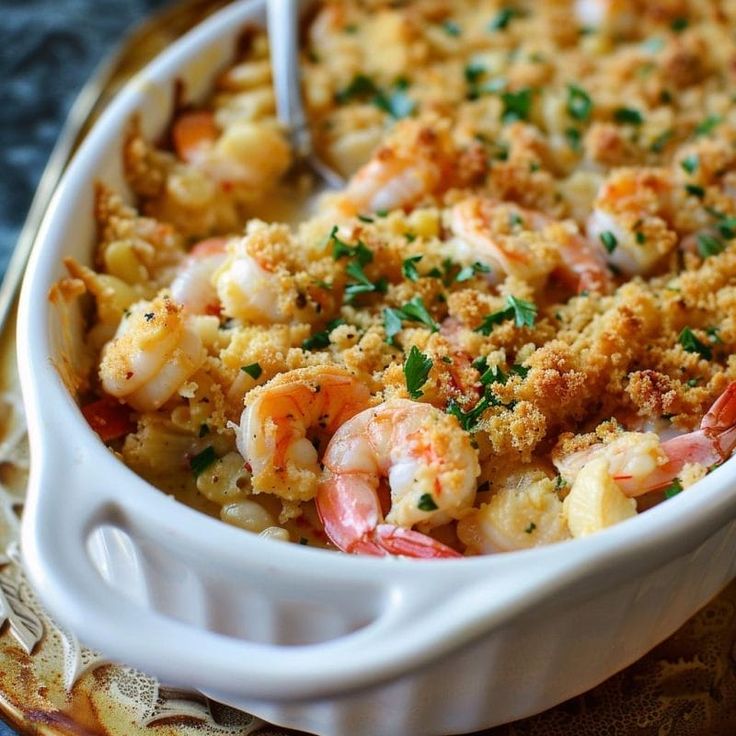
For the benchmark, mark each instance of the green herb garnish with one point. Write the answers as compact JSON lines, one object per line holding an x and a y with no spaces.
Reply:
{"x":416,"y":371}
{"x":451,"y":28}
{"x":709,"y":245}
{"x":321,"y":339}
{"x":579,"y":103}
{"x":502,"y":19}
{"x":201,"y":461}
{"x":522,"y":312}
{"x":706,"y":126}
{"x":426,"y":503}
{"x":254,"y":370}
{"x":695,"y":190}
{"x":690,"y":163}
{"x":609,"y":240}
{"x":409,"y":269}
{"x":673,"y":488}
{"x":690,"y":342}
{"x":516,"y":105}
{"x":628,"y":115}
{"x":467,"y":272}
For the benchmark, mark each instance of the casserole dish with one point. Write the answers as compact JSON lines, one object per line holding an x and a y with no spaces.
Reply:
{"x":305,"y":638}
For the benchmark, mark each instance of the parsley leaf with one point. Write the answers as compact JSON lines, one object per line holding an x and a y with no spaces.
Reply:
{"x":628,"y":115}
{"x":502,"y":19}
{"x":416,"y":371}
{"x":522,"y":312}
{"x":695,"y":190}
{"x":362,"y":284}
{"x":392,"y":324}
{"x":690,"y":342}
{"x":493,"y":375}
{"x":659,"y":143}
{"x":690,"y":163}
{"x":609,"y":240}
{"x":409,"y":269}
{"x":254,"y":370}
{"x":396,"y":103}
{"x":451,"y":28}
{"x":427,"y":503}
{"x":201,"y":461}
{"x":673,"y":488}
{"x":322,"y":339}
{"x":516,"y":105}
{"x":467,"y":272}
{"x":341,"y":249}
{"x":360,"y":86}
{"x":579,"y":103}
{"x":706,"y":126}
{"x":415,"y":311}
{"x":708,"y":245}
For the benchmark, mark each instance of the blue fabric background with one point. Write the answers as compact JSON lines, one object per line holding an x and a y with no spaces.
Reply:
{"x":48,"y":48}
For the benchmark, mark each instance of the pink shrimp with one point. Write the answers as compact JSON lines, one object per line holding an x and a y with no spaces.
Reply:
{"x":640,"y":463}
{"x":193,"y":287}
{"x":498,"y":234}
{"x":431,"y":469}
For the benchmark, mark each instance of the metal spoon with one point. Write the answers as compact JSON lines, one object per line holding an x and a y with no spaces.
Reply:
{"x":283,"y":38}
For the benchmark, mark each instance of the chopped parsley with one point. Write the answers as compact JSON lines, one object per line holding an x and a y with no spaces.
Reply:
{"x":362,"y":284}
{"x":360,"y":86}
{"x":415,"y":311}
{"x":201,"y":461}
{"x":254,"y":370}
{"x":520,"y":370}
{"x":427,"y":503}
{"x":341,"y":249}
{"x":365,"y":218}
{"x":396,"y":103}
{"x":659,"y":143}
{"x":640,"y":237}
{"x":409,"y":269}
{"x":516,"y":105}
{"x":693,"y":382}
{"x":573,"y":138}
{"x":392,"y":324}
{"x":673,"y":488}
{"x":451,"y":28}
{"x":679,"y":24}
{"x":493,"y":375}
{"x":467,"y":272}
{"x":690,"y":163}
{"x":522,"y":312}
{"x":321,"y":339}
{"x":473,"y":72}
{"x":695,"y":190}
{"x":502,"y":19}
{"x":713,"y":336}
{"x":468,"y":419}
{"x":706,"y":126}
{"x":709,"y":245}
{"x":628,"y":115}
{"x":579,"y":103}
{"x":416,"y":371}
{"x":690,"y":342}
{"x":609,"y":240}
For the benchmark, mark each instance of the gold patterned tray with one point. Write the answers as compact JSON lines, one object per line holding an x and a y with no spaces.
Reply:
{"x":51,"y":685}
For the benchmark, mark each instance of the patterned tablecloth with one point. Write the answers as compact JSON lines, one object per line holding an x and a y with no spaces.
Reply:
{"x":49,"y":684}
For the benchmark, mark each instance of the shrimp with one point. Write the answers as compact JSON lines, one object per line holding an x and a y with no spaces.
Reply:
{"x":247,"y":285}
{"x":413,"y":164}
{"x":431,"y":468}
{"x":152,"y":354}
{"x":524,"y":511}
{"x":500,"y":234}
{"x":248,"y":153}
{"x":278,"y":417}
{"x":640,"y":462}
{"x":193,"y":287}
{"x":630,"y":219}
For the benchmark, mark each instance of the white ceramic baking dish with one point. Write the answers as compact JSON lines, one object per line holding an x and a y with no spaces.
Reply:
{"x":320,"y":641}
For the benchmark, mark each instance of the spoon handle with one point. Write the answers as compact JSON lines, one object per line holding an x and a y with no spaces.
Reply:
{"x":283,"y":33}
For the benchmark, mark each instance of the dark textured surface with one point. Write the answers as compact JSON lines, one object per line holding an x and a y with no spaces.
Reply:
{"x":48,"y":48}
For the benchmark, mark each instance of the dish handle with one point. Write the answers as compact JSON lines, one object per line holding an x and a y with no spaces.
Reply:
{"x":413,"y":615}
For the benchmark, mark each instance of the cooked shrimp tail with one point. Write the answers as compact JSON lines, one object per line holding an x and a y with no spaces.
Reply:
{"x":350,"y":511}
{"x":431,"y":469}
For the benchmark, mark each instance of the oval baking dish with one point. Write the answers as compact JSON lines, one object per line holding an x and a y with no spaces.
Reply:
{"x":320,"y":641}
